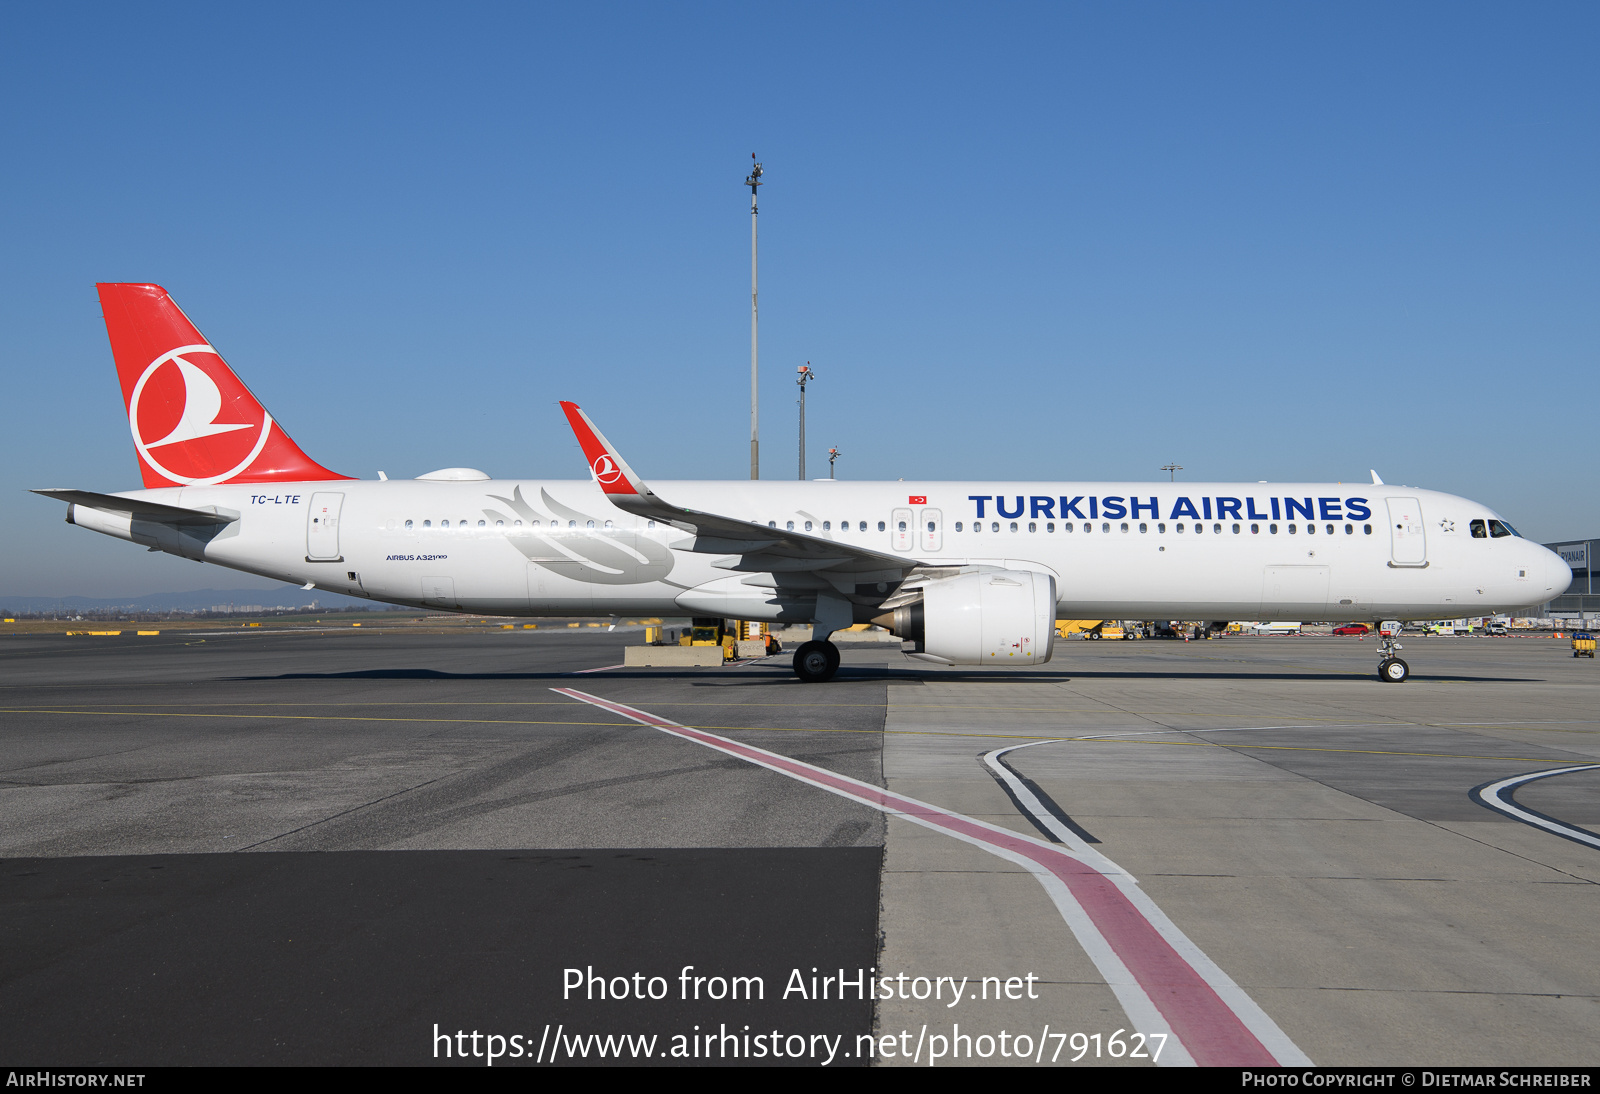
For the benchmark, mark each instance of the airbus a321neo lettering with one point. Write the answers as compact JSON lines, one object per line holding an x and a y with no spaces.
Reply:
{"x":965,"y":573}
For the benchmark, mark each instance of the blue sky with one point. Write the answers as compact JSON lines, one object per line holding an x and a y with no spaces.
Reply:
{"x":1053,"y":241}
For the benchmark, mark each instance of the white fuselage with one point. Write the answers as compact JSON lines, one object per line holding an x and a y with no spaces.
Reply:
{"x":1213,"y":551}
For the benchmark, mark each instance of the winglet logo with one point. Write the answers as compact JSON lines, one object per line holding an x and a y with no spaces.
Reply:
{"x":606,"y":470}
{"x":180,"y":406}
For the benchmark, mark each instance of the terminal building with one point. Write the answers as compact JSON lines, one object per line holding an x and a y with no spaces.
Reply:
{"x":1582,"y":598}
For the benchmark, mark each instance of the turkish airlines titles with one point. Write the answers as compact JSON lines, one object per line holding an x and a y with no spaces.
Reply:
{"x":1116,"y":507}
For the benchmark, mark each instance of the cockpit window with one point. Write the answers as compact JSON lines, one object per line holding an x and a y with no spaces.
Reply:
{"x":1499,"y":529}
{"x":1478,"y":530}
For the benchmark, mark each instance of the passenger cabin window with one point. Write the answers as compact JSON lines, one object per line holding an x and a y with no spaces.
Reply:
{"x":864,"y":526}
{"x":408,"y":526}
{"x":1013,"y":526}
{"x":1032,"y":527}
{"x":483,"y":523}
{"x":1255,"y":529}
{"x":789,"y":525}
{"x":827,"y":525}
{"x":1367,"y":529}
{"x":427,"y":524}
{"x":1479,"y":530}
{"x":572,"y":524}
{"x":881,"y":526}
{"x":994,"y":526}
{"x":808,"y":526}
{"x":1273,"y":528}
{"x":958,"y":526}
{"x":1050,"y":526}
{"x":902,"y":526}
{"x":1105,"y":527}
{"x":1235,"y":529}
{"x":1349,"y":529}
{"x":1143,"y":528}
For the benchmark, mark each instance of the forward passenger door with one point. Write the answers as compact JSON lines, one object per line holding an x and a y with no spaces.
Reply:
{"x":1407,"y":538}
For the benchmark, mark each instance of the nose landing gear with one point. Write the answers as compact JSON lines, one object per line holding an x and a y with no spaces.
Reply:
{"x":1391,"y":670}
{"x":816,"y":662}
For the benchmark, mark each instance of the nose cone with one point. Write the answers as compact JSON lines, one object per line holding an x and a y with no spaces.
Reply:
{"x":1558,"y":575}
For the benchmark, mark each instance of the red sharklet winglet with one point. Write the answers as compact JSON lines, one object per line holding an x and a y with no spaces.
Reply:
{"x":607,"y":466}
{"x":194,"y":422}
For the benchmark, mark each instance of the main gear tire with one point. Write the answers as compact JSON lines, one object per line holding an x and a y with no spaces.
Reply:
{"x":816,"y":662}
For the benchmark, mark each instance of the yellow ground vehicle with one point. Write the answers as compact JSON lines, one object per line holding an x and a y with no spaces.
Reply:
{"x":1583,"y":645}
{"x":1068,"y":627}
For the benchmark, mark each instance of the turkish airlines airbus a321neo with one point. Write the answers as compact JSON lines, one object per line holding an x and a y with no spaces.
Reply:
{"x":968,"y":573}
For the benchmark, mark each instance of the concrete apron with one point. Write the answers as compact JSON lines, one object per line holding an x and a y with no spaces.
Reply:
{"x":1369,"y":937}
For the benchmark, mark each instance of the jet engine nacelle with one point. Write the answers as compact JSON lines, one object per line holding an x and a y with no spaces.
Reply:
{"x":996,"y":617}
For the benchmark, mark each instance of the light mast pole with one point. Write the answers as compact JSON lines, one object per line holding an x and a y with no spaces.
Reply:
{"x":753,"y":181}
{"x":805,"y":375}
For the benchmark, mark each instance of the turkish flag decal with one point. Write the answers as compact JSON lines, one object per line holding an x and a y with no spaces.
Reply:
{"x":917,"y":499}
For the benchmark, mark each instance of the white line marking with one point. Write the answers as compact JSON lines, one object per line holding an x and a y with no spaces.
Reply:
{"x":1496,"y":796}
{"x":1047,"y":820}
{"x":1162,"y":979}
{"x":585,"y":672}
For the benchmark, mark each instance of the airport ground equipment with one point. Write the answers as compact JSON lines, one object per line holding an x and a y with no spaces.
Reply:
{"x":1583,"y":645}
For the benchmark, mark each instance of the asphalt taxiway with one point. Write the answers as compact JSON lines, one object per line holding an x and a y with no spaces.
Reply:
{"x":314,"y":847}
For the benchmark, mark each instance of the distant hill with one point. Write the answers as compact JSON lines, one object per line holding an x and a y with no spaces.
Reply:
{"x":284,"y":596}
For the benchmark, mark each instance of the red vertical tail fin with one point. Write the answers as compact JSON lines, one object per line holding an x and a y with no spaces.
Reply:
{"x":194,"y":422}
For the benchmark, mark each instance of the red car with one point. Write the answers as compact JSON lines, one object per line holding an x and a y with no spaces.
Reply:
{"x":1351,"y":628}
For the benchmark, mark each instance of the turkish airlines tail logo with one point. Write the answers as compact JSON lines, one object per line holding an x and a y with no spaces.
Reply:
{"x":194,"y":422}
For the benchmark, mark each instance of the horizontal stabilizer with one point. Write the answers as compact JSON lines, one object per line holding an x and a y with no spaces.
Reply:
{"x":138,"y":508}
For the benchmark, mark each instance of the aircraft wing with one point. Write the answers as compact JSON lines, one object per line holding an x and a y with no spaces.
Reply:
{"x":138,"y":508}
{"x":759,"y":548}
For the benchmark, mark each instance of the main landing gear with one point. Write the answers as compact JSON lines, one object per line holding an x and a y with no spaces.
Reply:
{"x":1391,"y":670}
{"x":816,"y":662}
